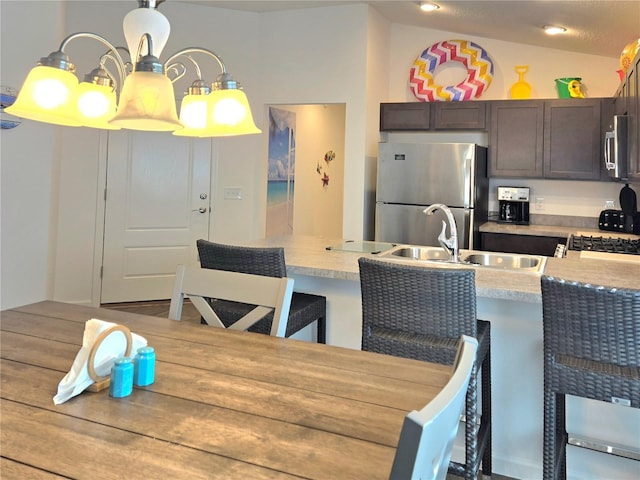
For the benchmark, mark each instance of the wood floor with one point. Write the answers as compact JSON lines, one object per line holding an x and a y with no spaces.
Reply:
{"x":155,"y":308}
{"x":160,"y":308}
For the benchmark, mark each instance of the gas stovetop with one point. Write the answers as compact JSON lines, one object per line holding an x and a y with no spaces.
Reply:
{"x":625,"y":246}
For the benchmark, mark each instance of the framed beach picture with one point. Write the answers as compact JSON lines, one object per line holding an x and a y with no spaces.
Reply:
{"x":280,"y":186}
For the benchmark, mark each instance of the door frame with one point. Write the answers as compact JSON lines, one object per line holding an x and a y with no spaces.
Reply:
{"x":101,"y":205}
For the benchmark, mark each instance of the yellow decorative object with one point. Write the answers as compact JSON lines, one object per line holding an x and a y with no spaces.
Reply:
{"x":569,"y":87}
{"x":628,"y":54}
{"x":574,"y":89}
{"x":521,"y":89}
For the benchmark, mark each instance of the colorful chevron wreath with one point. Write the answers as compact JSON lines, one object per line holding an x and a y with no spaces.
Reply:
{"x":471,"y":55}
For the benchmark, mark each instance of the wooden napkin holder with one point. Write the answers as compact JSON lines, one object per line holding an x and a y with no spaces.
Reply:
{"x":102,"y":383}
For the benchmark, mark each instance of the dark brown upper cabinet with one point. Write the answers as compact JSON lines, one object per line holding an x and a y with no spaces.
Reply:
{"x":459,"y":115}
{"x":516,"y":138}
{"x":559,"y":139}
{"x":425,"y":116}
{"x":573,"y":139}
{"x":411,"y":116}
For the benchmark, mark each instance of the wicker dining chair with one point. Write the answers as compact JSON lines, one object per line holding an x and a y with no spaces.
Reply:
{"x":591,"y":340}
{"x":420,"y":312}
{"x":305,"y":308}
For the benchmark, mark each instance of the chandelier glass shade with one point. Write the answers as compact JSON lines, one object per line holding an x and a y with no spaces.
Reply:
{"x":229,"y":112}
{"x":96,"y":105}
{"x":48,"y":95}
{"x":140,"y":95}
{"x":147,"y":102}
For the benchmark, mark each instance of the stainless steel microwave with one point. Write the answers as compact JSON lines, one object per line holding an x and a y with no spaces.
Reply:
{"x":616,"y":154}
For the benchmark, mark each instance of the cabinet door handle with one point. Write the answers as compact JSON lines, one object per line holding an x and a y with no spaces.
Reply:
{"x":608,"y":138}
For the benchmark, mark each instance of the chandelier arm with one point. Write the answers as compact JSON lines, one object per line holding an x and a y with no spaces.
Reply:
{"x":188,"y":50}
{"x":103,"y":66}
{"x":180,"y":72}
{"x":113,"y":51}
{"x":149,"y":40}
{"x":128,"y":65}
{"x":196,"y":66}
{"x":121,"y":74}
{"x":179,"y":69}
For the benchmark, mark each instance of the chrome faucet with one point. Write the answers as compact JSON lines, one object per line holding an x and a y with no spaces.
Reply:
{"x":450,"y":244}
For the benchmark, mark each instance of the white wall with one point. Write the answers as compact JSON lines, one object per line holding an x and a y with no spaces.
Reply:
{"x":562,"y":197}
{"x":377,"y":87}
{"x":28,"y":161}
{"x":318,"y":209}
{"x":319,"y":56}
{"x":599,"y":77}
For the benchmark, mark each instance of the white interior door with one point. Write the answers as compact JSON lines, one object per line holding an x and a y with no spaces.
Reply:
{"x":157,"y":206}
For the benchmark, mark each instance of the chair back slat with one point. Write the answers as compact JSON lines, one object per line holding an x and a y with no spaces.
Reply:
{"x":267,"y":261}
{"x":427,"y":436}
{"x":418,"y":300}
{"x":269,"y":294}
{"x":591,"y":322}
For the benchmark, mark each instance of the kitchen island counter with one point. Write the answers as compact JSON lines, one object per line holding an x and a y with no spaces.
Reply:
{"x":512,"y":302}
{"x":309,"y":256}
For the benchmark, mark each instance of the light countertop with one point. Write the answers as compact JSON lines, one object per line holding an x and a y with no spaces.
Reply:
{"x":549,"y":230}
{"x":309,"y":256}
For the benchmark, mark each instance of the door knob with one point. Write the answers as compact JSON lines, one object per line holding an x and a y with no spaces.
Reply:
{"x":201,"y":210}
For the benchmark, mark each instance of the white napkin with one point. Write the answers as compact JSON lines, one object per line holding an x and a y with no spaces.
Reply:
{"x":113,"y":346}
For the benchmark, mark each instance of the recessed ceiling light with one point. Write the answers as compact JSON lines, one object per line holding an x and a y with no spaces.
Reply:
{"x":553,"y":30}
{"x":428,"y":6}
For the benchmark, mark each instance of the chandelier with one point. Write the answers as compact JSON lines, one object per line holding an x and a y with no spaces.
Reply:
{"x":138,"y":94}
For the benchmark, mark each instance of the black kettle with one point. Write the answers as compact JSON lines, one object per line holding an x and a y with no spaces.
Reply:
{"x":629,"y":206}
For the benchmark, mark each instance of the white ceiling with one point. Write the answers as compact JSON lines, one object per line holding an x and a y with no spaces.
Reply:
{"x":598,"y":27}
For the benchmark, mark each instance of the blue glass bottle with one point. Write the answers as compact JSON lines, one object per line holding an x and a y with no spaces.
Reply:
{"x":121,"y":383}
{"x":145,"y":367}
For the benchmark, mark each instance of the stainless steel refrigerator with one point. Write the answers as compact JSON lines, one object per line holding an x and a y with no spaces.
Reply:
{"x":412,"y":176}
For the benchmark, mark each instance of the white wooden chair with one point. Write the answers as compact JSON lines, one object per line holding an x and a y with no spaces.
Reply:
{"x":269,"y":294}
{"x":427,"y":436}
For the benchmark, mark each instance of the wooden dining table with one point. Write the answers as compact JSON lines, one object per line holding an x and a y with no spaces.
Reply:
{"x":224,"y":404}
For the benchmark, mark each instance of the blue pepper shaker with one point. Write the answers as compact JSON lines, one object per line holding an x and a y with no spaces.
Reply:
{"x":145,"y":367}
{"x":121,"y":383}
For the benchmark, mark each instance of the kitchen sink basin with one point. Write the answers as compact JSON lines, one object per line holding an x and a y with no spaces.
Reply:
{"x":434,"y":254}
{"x":507,"y":261}
{"x":492,"y":260}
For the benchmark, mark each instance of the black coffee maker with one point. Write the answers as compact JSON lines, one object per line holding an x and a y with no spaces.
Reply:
{"x":513,"y":203}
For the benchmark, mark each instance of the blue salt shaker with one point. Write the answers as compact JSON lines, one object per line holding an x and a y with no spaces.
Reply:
{"x":145,"y":367}
{"x":121,"y":383}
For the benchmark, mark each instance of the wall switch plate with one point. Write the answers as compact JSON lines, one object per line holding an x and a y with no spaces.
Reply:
{"x":539,"y":205}
{"x":610,"y":204}
{"x":232,"y":193}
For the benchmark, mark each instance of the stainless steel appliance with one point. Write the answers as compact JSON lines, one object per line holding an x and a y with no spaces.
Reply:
{"x":627,"y":219}
{"x":622,"y":246}
{"x":616,"y":156}
{"x":613,"y":221}
{"x":513,"y":204}
{"x":413,"y":176}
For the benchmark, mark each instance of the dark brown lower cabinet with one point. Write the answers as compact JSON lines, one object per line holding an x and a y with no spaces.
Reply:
{"x":525,"y":244}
